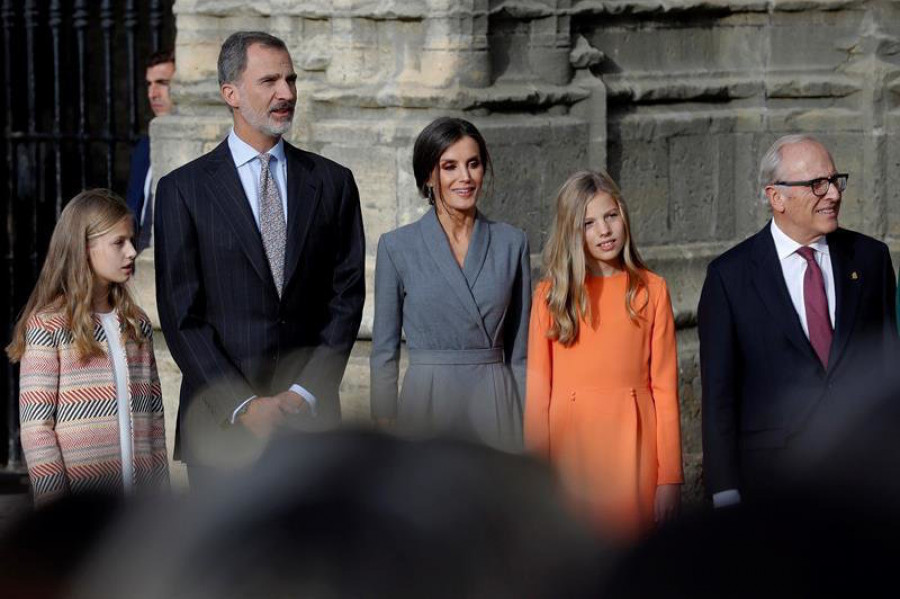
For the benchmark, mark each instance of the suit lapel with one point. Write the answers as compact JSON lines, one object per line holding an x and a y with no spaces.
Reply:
{"x":435,"y":240}
{"x":847,"y":287}
{"x":768,"y":279}
{"x":226,"y":191}
{"x":303,"y":191}
{"x":478,"y":250}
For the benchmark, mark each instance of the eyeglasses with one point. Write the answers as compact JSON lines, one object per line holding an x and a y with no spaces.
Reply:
{"x":821,"y":185}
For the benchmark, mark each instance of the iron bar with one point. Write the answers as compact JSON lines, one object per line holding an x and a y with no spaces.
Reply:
{"x":80,"y":23}
{"x":14,"y":458}
{"x":134,"y":71}
{"x":28,"y":187}
{"x":106,"y":25}
{"x":55,"y":21}
{"x":156,"y":24}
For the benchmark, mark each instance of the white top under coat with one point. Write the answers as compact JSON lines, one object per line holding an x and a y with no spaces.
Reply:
{"x":110,"y":322}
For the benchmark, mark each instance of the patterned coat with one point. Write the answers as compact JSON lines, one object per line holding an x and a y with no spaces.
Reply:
{"x":69,"y":413}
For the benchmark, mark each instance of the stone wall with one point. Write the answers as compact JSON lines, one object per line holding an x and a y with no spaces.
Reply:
{"x":678,"y":98}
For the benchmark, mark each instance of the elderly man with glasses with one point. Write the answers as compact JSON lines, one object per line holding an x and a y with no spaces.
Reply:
{"x":794,"y":323}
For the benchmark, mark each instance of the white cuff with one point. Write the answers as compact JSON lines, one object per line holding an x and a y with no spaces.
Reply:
{"x":238,"y":409}
{"x":309,"y":397}
{"x":726,"y":498}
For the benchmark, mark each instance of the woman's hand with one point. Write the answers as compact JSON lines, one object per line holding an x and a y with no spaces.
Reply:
{"x":667,"y":504}
{"x":385,"y":424}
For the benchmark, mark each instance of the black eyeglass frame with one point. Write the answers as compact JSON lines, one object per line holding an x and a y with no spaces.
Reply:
{"x":832,"y":180}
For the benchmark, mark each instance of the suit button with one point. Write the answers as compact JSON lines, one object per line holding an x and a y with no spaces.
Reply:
{"x":282,"y":321}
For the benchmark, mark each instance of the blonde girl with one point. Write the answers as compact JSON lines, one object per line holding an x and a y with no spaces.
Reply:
{"x":90,"y":404}
{"x":601,"y":400}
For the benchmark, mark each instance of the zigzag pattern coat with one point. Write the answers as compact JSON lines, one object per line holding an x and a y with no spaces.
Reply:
{"x":69,"y":413}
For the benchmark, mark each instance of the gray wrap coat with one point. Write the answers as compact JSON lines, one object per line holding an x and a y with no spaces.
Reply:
{"x":466,"y":331}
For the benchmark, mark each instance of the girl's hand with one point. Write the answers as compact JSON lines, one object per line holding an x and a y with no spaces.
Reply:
{"x":667,"y":504}
{"x":385,"y":424}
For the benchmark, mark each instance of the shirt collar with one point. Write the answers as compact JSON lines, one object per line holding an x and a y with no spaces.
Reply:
{"x":242,"y":152}
{"x":785,"y":246}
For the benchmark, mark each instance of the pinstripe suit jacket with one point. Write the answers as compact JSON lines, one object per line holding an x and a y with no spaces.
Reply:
{"x":69,"y":414}
{"x":228,"y":330}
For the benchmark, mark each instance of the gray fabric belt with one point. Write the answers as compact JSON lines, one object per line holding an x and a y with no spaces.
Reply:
{"x":456,"y":356}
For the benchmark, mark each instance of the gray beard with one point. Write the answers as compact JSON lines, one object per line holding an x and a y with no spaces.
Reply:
{"x":263,"y":123}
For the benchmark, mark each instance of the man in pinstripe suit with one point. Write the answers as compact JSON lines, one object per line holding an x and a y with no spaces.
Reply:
{"x":259,"y":266}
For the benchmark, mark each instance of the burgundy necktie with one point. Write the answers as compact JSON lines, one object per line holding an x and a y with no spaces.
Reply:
{"x":817,"y":319}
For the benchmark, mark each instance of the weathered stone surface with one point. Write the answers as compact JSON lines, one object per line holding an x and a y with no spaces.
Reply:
{"x":583,"y":55}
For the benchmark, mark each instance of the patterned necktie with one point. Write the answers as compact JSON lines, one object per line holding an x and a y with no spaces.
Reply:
{"x":271,"y":221}
{"x":816,"y":302}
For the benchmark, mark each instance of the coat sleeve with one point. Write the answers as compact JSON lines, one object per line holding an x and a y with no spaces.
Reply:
{"x":159,"y":453}
{"x":718,"y":366}
{"x":891,"y":310}
{"x":897,"y":299}
{"x":180,"y":298}
{"x":384,"y":363}
{"x":515,"y":334}
{"x":38,"y":401}
{"x":337,"y":332}
{"x":664,"y":386}
{"x":539,"y":377}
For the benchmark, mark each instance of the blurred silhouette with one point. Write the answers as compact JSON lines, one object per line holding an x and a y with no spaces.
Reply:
{"x":359,"y":515}
{"x":42,"y":552}
{"x":829,"y":530}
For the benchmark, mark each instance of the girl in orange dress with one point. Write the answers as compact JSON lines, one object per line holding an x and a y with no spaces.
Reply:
{"x":601,"y":400}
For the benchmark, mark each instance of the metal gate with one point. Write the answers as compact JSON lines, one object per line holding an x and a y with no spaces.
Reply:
{"x":73,"y":103}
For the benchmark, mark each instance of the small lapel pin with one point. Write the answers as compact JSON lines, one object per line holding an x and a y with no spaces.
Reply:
{"x":853,"y":275}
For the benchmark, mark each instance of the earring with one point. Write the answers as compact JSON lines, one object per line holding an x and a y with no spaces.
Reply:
{"x":431,"y":195}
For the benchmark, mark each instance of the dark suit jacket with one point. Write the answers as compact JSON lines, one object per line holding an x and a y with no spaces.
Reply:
{"x":763,"y":385}
{"x":140,"y":164}
{"x":220,"y":312}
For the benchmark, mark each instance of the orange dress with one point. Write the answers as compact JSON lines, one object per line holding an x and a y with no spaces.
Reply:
{"x":605,"y":410}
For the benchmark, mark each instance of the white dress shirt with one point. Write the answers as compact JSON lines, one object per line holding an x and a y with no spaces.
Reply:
{"x":246,"y":161}
{"x":793,"y":267}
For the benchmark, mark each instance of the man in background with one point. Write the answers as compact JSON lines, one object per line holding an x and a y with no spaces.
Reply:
{"x":160,"y":70}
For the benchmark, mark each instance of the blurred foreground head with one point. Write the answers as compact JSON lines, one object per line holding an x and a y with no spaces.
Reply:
{"x":359,"y":515}
{"x":828,"y":528}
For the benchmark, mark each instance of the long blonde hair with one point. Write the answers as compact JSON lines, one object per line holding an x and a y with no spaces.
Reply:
{"x":66,"y":282}
{"x":564,"y":260}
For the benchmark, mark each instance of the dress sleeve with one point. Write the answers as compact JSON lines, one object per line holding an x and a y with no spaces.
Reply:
{"x":384,"y":363}
{"x":664,"y":385}
{"x":38,"y":400}
{"x":538,"y":377}
{"x":515,"y":332}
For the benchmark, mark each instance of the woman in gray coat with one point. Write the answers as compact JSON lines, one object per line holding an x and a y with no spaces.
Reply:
{"x":459,"y":285}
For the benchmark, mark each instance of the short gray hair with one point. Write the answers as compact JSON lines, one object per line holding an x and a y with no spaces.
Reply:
{"x":233,"y":55}
{"x":770,"y":164}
